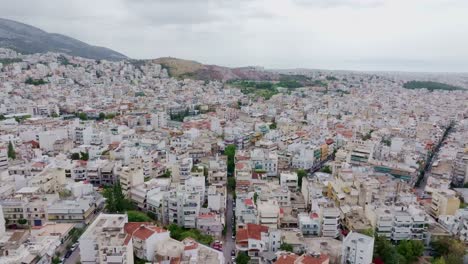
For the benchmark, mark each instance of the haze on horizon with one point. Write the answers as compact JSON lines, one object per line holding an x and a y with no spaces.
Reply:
{"x":377,"y":35}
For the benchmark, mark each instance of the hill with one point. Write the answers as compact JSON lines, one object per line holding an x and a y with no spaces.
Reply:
{"x":27,"y":39}
{"x":180,"y":68}
{"x":431,"y":86}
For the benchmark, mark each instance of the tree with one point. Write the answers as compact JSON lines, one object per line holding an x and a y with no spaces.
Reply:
{"x":101,"y":116}
{"x":75,"y":156}
{"x":136,"y":216}
{"x":440,"y":260}
{"x":326,"y":169}
{"x":22,"y":221}
{"x":11,"y":151}
{"x":2,"y":117}
{"x":115,"y":200}
{"x":167,"y":174}
{"x":300,"y":174}
{"x":411,"y":250}
{"x":231,"y":184}
{"x":84,"y":156}
{"x":255,"y":197}
{"x":82,"y":116}
{"x":451,"y":250}
{"x":273,"y":125}
{"x":230,"y":152}
{"x":242,"y":258}
{"x":286,"y":247}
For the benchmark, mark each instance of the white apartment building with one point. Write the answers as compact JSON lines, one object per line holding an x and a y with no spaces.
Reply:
{"x":268,"y":213}
{"x":330,"y":219}
{"x":357,"y":249}
{"x":105,"y":241}
{"x":289,"y":180}
{"x":182,"y":207}
{"x":309,"y":224}
{"x":263,"y":159}
{"x":82,"y":135}
{"x":246,"y":212}
{"x":130,"y":177}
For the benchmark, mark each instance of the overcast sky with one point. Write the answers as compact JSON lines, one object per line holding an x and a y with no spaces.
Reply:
{"x":404,"y":35}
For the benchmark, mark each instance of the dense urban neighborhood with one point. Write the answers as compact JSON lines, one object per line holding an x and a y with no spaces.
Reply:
{"x":126,"y":162}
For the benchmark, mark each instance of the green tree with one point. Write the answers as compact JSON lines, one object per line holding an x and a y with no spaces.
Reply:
{"x":452,"y":250}
{"x":115,"y":200}
{"x":75,"y":156}
{"x":286,"y":247}
{"x":84,"y":156}
{"x":22,"y":221}
{"x":300,"y":174}
{"x":101,"y":116}
{"x":411,"y":250}
{"x":82,"y":116}
{"x":231,"y":184}
{"x":242,"y":258}
{"x":137,"y":216}
{"x":273,"y":125}
{"x":230,"y":152}
{"x":11,"y":151}
{"x":326,"y":169}
{"x":167,"y":174}
{"x":2,"y":117}
{"x":384,"y":249}
{"x":440,"y":260}
{"x":255,"y":197}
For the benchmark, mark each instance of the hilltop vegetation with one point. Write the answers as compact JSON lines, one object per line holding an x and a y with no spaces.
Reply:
{"x":431,"y":86}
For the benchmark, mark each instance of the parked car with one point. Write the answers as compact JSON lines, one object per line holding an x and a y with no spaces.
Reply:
{"x":68,"y":254}
{"x":233,"y":253}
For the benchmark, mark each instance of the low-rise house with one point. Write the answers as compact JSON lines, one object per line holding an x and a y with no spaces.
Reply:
{"x":145,"y":238}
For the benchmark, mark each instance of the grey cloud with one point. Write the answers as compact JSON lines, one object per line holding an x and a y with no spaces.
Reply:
{"x":341,"y":3}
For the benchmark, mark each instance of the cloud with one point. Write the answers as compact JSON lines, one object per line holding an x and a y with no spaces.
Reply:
{"x":341,"y":3}
{"x":335,"y":34}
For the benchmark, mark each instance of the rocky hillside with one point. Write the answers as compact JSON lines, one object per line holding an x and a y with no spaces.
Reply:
{"x":191,"y":69}
{"x":27,"y":39}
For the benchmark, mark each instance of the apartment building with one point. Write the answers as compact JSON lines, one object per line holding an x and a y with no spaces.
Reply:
{"x":246,"y":212}
{"x":80,"y":210}
{"x":145,"y":238}
{"x":289,"y":180}
{"x":254,"y":239}
{"x":309,"y":224}
{"x":357,"y":249}
{"x":444,"y":202}
{"x":182,"y":206}
{"x":268,"y":213}
{"x":265,"y":160}
{"x":330,"y":220}
{"x":130,"y":177}
{"x":105,"y":241}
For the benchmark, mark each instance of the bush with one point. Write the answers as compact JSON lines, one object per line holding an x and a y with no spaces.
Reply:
{"x":137,"y":216}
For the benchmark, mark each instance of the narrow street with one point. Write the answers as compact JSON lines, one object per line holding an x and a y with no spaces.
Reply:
{"x":229,"y":243}
{"x":74,"y":258}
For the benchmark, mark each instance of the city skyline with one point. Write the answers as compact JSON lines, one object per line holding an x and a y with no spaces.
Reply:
{"x":366,"y":35}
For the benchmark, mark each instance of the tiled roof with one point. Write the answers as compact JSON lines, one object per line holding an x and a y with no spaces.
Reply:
{"x":253,"y":231}
{"x":142,"y":230}
{"x":289,"y":258}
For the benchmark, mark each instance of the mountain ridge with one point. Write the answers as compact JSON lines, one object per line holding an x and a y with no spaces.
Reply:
{"x":28,"y":39}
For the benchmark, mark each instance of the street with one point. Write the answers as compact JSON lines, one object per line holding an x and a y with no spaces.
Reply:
{"x":229,"y":244}
{"x":74,"y":258}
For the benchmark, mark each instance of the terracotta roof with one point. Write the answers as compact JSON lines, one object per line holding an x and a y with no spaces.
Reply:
{"x":142,"y":230}
{"x":308,"y":259}
{"x":288,"y":258}
{"x":253,"y":231}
